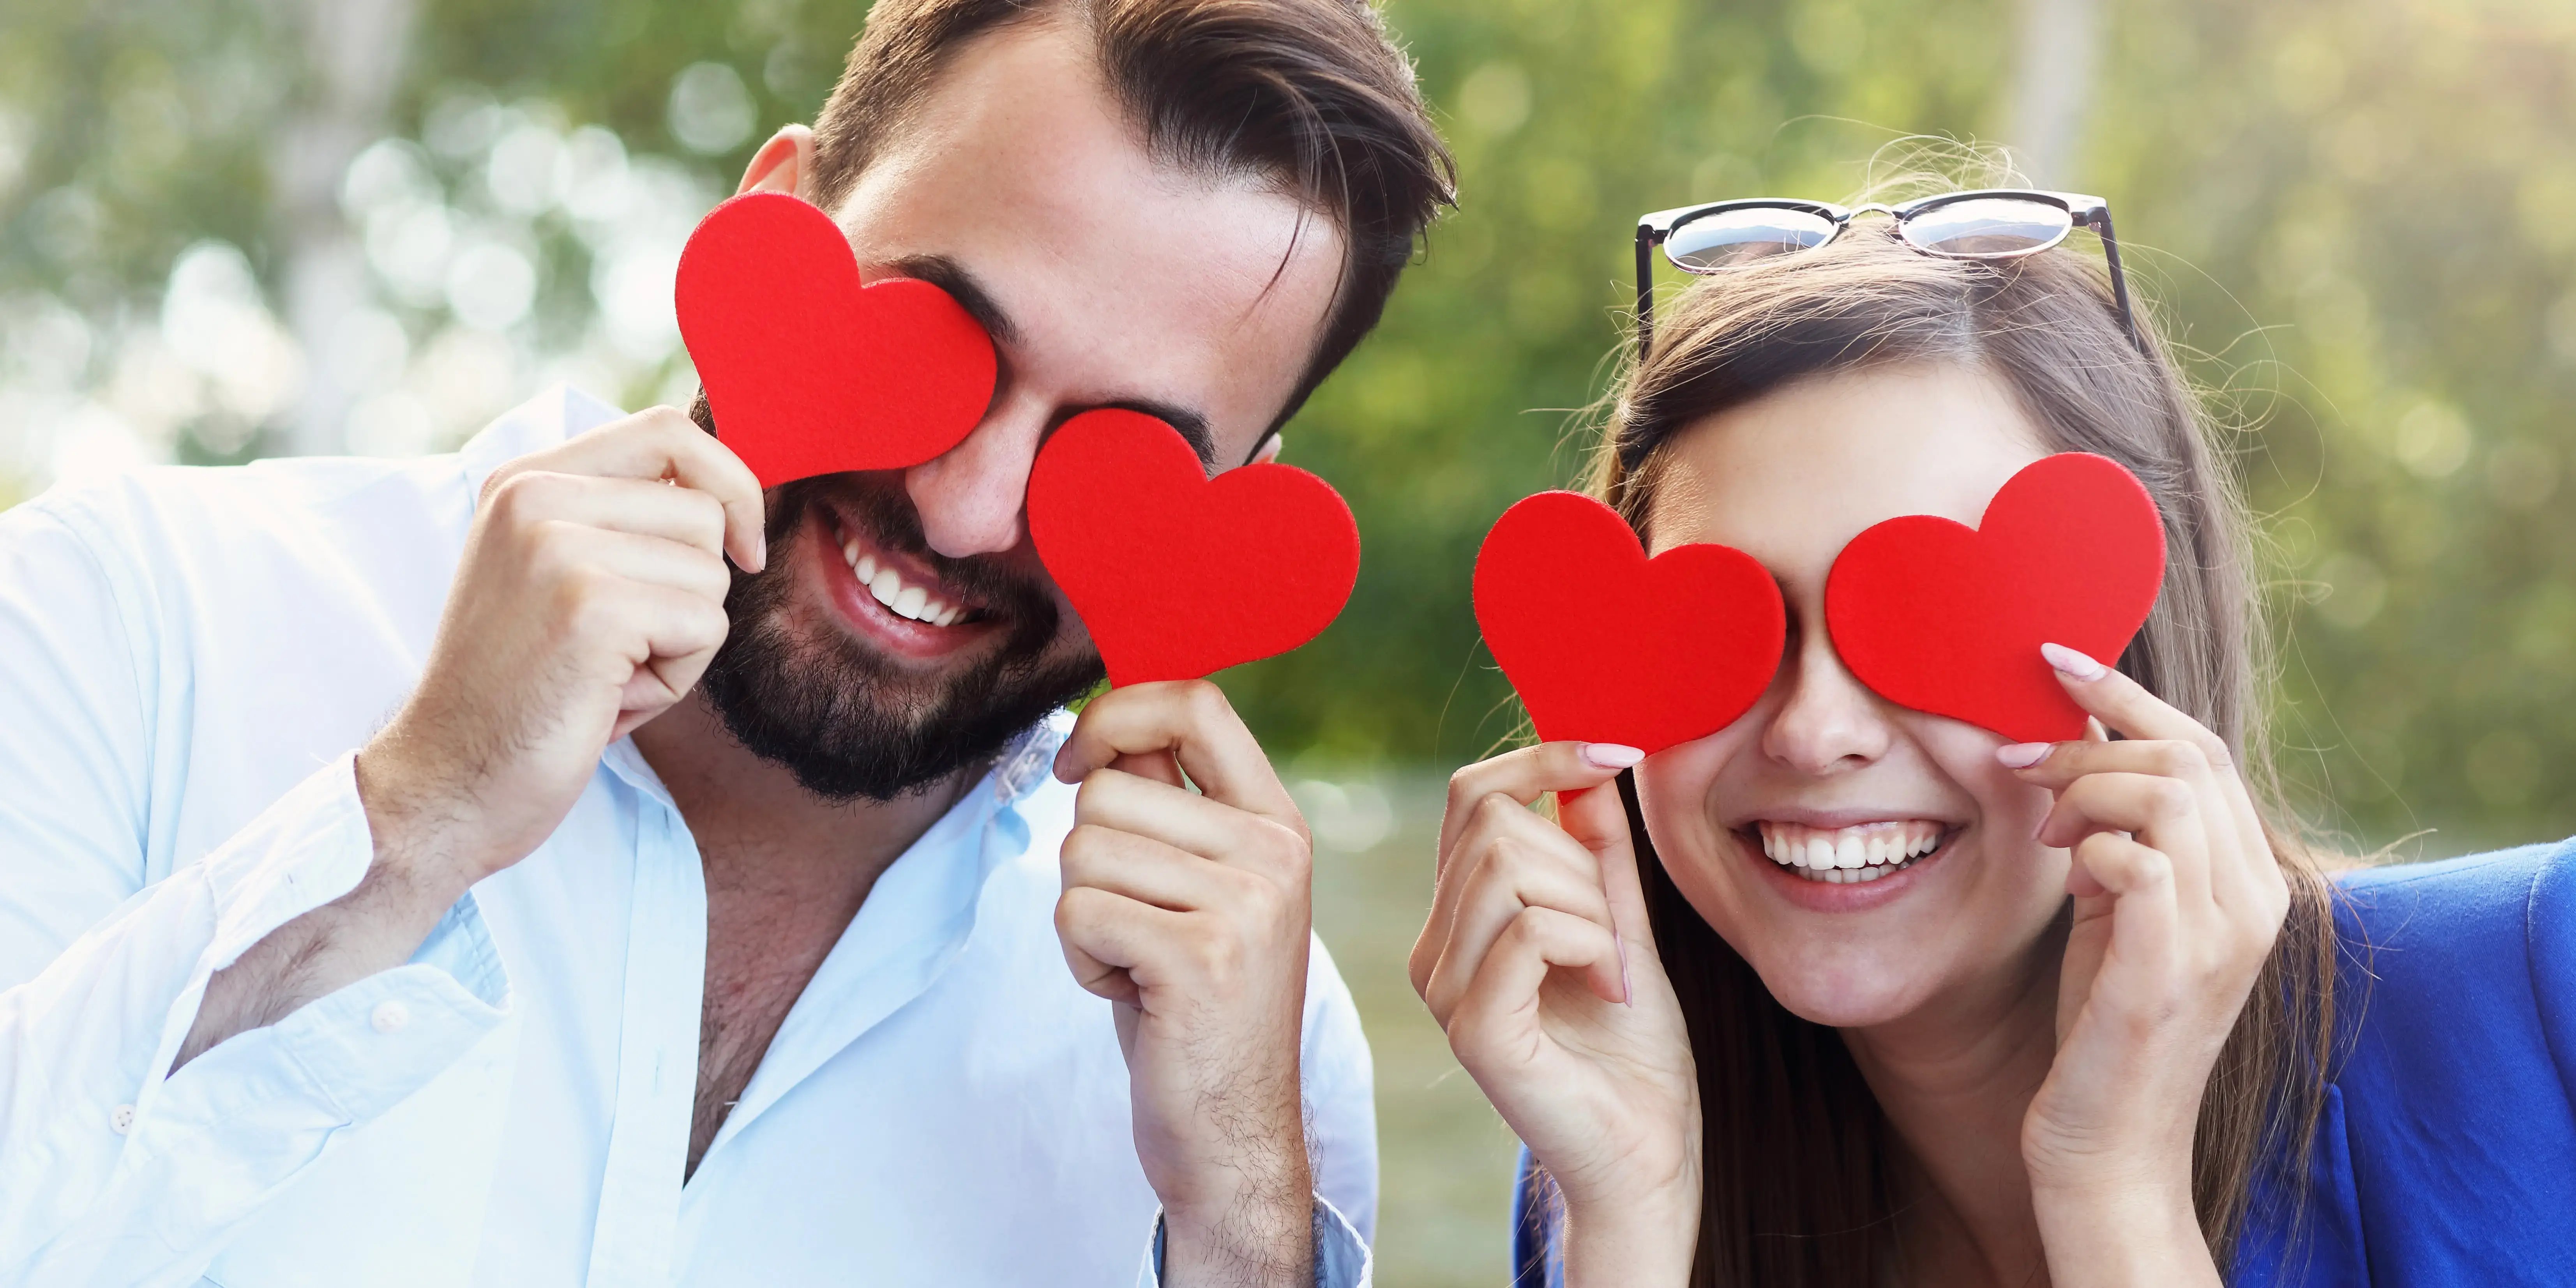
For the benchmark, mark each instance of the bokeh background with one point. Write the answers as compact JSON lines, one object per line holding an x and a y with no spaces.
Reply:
{"x":236,"y":228}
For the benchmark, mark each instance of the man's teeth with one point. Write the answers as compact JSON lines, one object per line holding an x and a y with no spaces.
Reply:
{"x":901,"y":599}
{"x":1845,"y":855}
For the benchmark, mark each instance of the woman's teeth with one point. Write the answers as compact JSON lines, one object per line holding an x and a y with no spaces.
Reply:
{"x":1845,"y":855}
{"x":900,"y":597}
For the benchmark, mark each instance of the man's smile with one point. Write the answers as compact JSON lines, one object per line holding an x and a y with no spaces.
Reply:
{"x":890,"y":597}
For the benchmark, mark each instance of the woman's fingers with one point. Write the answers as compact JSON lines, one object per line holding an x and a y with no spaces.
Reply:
{"x":1529,"y":773}
{"x":2162,"y":813}
{"x":2243,"y":871}
{"x":1498,"y":1013}
{"x":1599,"y":820}
{"x":1514,"y":877}
{"x":2125,"y":707}
{"x":1500,"y":833}
{"x":2146,"y":917}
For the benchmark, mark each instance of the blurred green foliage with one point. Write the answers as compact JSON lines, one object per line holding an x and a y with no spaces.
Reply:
{"x":2363,"y":212}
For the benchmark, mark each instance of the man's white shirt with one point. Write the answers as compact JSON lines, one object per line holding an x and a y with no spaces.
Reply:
{"x":188,"y":660}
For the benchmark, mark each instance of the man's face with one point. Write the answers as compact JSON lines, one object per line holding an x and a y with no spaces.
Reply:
{"x":1108,"y":279}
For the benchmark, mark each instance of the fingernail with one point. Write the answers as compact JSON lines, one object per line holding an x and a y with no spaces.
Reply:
{"x":2074,"y":664}
{"x":760,"y":550}
{"x":2023,"y":755}
{"x":1627,"y":991}
{"x":1610,"y":755}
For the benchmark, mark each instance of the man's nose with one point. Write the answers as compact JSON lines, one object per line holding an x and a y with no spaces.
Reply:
{"x":1828,"y":722}
{"x":971,"y":499}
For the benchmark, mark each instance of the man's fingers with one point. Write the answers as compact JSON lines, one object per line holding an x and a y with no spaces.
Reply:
{"x":1144,"y":870}
{"x":1529,"y":773}
{"x":1106,"y":936}
{"x":649,"y":560}
{"x":535,"y":497}
{"x":663,"y":443}
{"x":1192,"y":720}
{"x":1180,"y":818}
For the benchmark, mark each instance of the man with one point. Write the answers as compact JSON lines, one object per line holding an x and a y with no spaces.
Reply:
{"x":631,"y":919}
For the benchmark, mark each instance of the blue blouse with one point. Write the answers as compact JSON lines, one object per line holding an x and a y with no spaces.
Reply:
{"x":2446,"y":1154}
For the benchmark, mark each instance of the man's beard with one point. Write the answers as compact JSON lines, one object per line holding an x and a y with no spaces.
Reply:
{"x":837,"y":716}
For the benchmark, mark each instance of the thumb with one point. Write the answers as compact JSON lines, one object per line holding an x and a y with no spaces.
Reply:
{"x":1599,"y":819}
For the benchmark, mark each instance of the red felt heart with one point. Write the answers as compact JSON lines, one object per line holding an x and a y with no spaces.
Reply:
{"x":807,"y":370}
{"x":1606,"y":645}
{"x":1177,"y":574}
{"x":1948,"y":619}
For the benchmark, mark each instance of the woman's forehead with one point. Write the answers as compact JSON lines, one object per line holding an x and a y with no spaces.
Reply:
{"x":1790,"y":477}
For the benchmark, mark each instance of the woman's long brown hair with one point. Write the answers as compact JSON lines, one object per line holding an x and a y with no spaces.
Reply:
{"x":1798,"y":1185}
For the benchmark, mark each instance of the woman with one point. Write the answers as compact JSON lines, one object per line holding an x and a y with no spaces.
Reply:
{"x":1850,"y":994}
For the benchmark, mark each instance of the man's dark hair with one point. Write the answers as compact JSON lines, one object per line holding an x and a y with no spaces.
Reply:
{"x":1311,"y":93}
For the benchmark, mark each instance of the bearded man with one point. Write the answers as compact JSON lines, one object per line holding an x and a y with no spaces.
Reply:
{"x":454,"y":872}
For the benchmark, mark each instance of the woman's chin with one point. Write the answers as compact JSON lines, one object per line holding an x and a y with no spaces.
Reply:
{"x":1837,"y":991}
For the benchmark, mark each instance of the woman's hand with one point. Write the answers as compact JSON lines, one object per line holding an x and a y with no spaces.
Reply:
{"x":2177,"y":902}
{"x":1538,"y":963}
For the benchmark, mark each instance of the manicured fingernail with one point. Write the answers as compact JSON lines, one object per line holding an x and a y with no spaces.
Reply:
{"x":760,"y":549}
{"x":1627,"y":991}
{"x":2074,"y":664}
{"x":1610,"y":755}
{"x":2023,"y":755}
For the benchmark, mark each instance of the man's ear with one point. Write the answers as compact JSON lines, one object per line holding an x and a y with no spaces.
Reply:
{"x":1269,"y":449}
{"x":784,"y":164}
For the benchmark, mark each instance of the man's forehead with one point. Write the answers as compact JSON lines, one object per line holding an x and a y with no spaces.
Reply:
{"x":1021,"y":187}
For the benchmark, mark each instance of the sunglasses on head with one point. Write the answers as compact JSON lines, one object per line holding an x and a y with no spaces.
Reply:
{"x":1988,"y":223}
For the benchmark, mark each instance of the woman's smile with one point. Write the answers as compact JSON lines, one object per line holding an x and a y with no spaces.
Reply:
{"x":1849,"y":854}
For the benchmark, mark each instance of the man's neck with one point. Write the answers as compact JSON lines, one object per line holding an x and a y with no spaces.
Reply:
{"x":1956,"y":1079}
{"x":756,"y":826}
{"x":786,"y":871}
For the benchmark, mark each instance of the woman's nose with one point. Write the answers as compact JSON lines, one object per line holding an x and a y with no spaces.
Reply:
{"x":1827,"y":722}
{"x":971,"y":498}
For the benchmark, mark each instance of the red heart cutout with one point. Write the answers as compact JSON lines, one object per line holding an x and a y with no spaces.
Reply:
{"x":809,"y":371}
{"x":1176,"y":574}
{"x":1606,"y":645}
{"x":1948,"y":619}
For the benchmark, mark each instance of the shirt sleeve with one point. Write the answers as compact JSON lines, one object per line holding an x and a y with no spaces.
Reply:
{"x":112,"y":1168}
{"x":1341,"y":1256}
{"x":1340,"y":1089}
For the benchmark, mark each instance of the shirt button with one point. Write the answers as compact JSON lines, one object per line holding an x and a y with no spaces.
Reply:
{"x":121,"y":1119}
{"x":389,"y":1016}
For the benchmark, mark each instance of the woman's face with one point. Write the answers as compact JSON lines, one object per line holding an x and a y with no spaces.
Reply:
{"x":1746,"y":818}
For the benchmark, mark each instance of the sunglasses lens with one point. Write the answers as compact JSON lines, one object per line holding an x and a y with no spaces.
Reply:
{"x":1988,"y":227}
{"x":1734,"y":238}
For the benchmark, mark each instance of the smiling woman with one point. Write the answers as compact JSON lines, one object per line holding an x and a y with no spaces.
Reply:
{"x":1847,"y":993}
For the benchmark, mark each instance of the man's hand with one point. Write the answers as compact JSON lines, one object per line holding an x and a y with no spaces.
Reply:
{"x":589,"y":598}
{"x":1191,"y":911}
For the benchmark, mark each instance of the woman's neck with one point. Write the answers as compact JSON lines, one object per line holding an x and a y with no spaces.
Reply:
{"x":1955,"y":1079}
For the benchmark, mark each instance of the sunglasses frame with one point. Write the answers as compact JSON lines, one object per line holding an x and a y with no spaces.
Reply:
{"x":2088,"y":212}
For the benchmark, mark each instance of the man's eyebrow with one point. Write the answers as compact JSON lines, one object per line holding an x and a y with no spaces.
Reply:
{"x":1193,"y":427}
{"x":950,"y":276}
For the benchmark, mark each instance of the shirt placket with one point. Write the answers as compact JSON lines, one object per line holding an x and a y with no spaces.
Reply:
{"x":657,"y":1058}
